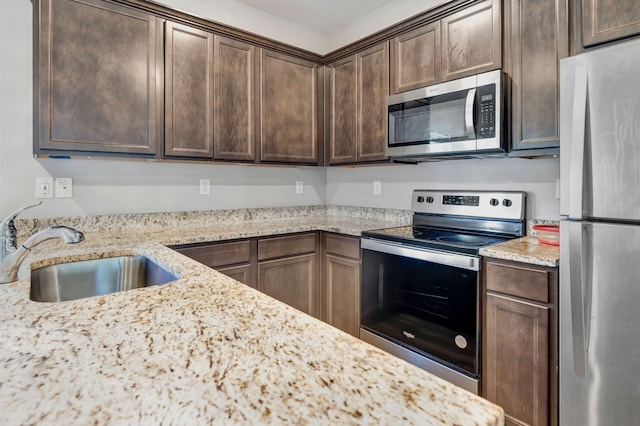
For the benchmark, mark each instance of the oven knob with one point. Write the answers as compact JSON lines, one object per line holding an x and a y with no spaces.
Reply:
{"x":506,"y":202}
{"x":429,"y":199}
{"x":494,"y":202}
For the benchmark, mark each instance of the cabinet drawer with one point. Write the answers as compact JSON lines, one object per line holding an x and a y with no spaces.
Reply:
{"x":220,"y":254}
{"x":343,"y":246}
{"x":270,"y":248}
{"x":518,"y":281}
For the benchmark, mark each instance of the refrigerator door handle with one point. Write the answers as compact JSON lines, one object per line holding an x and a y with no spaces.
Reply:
{"x":578,"y":124}
{"x":579,"y":328}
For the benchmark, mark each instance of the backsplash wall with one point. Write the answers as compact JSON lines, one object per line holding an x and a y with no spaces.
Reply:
{"x":354,"y":186}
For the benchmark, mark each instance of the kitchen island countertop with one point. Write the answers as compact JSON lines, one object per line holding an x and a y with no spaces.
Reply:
{"x":203,"y":349}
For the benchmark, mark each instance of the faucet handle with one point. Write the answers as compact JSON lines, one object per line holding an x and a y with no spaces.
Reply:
{"x":8,"y":229}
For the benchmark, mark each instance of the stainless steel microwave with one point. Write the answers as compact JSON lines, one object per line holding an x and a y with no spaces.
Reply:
{"x":463,"y":117}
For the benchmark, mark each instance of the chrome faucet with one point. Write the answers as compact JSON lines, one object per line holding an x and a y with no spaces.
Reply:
{"x":11,"y":256}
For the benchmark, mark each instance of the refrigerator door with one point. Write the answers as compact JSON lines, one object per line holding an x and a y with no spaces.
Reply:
{"x":600,"y":133}
{"x":599,"y":324}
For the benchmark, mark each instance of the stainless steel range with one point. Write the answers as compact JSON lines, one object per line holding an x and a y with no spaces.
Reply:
{"x":420,"y":294}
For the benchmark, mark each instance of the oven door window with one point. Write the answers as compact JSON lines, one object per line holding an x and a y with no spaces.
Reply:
{"x":438,"y":119}
{"x":427,"y":307}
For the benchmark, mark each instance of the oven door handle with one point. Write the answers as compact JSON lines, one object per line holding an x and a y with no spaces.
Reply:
{"x":471,"y":263}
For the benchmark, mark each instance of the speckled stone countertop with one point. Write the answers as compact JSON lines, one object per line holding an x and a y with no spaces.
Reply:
{"x":527,"y":250}
{"x":204,"y":349}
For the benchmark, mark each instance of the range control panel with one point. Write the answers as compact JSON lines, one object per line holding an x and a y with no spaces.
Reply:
{"x":488,"y":204}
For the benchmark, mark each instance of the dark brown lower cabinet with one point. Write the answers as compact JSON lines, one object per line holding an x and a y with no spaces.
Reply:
{"x":243,"y":273}
{"x":520,"y":355}
{"x":341,"y":292}
{"x":235,"y":258}
{"x":289,"y":268}
{"x":291,"y":280}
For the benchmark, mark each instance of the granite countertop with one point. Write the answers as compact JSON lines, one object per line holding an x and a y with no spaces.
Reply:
{"x":527,"y":250}
{"x":203,"y":349}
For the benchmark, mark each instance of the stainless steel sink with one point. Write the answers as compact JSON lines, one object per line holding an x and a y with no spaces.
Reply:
{"x":76,"y":280}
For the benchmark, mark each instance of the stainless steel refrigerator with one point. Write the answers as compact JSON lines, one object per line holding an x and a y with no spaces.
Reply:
{"x":599,"y":310}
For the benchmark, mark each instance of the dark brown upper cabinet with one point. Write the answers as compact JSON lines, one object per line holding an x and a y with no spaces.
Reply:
{"x":342,"y":108}
{"x":98,"y":75}
{"x":536,"y":38}
{"x":288,"y":109}
{"x":609,"y":20}
{"x":416,"y":58}
{"x":357,"y":87}
{"x":188,"y":91}
{"x":472,"y":40}
{"x":235,"y":101}
{"x":373,"y":89}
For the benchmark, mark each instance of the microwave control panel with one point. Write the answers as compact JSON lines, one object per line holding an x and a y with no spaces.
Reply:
{"x":486,"y":119}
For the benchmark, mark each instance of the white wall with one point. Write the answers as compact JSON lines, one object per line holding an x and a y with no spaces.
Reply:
{"x":102,"y":187}
{"x":354,"y":186}
{"x":240,"y":15}
{"x":379,"y":19}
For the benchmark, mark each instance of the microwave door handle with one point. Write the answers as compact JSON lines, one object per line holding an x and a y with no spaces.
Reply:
{"x":468,"y":113}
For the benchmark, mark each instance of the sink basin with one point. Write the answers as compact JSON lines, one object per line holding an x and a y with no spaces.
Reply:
{"x":76,"y":280}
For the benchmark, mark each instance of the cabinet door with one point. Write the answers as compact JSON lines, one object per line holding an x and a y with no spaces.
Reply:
{"x":188,"y":92}
{"x":516,"y":370}
{"x":536,"y":39}
{"x":235,"y":102}
{"x":373,"y":88}
{"x":98,"y":75}
{"x":291,"y":280}
{"x":243,"y":273}
{"x":416,"y":58}
{"x":342,"y":294}
{"x":288,"y":109}
{"x":342,"y":108}
{"x":471,"y":40}
{"x":608,"y":20}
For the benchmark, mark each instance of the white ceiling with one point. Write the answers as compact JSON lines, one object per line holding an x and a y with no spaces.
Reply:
{"x":324,"y":16}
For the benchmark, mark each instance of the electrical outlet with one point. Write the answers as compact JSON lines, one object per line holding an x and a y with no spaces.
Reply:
{"x":44,"y":187}
{"x":299,"y":187}
{"x":64,"y":188}
{"x":205,"y":186}
{"x":377,"y":187}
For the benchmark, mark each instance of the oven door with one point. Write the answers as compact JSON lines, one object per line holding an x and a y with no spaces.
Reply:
{"x":423,"y":300}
